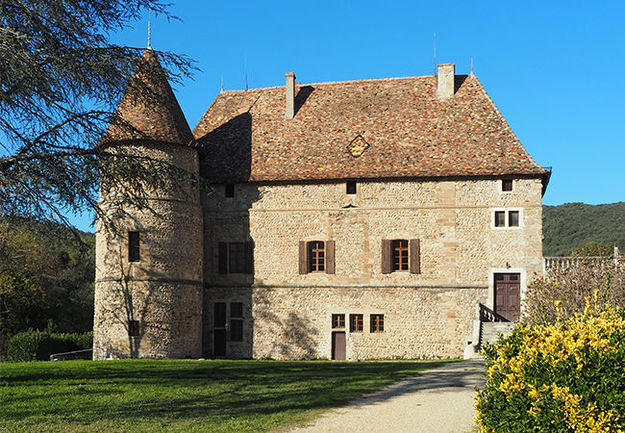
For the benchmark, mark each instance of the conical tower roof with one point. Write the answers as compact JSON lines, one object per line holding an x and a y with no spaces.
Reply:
{"x":149,"y":109}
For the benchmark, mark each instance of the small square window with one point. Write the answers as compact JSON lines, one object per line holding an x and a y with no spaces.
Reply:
{"x":351,"y":187}
{"x":513,"y":218}
{"x":338,"y":321}
{"x":506,"y":185}
{"x":355,"y":323}
{"x":134,"y":247}
{"x":236,"y":309}
{"x":500,"y":218}
{"x":377,"y":323}
{"x":229,"y":190}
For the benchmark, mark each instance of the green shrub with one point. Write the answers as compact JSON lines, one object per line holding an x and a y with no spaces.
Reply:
{"x":566,"y":376}
{"x":34,"y":345}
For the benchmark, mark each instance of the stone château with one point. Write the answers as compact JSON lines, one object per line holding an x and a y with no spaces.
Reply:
{"x":348,"y":220}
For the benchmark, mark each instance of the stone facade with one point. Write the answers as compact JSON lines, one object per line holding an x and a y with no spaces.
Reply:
{"x":225,"y":274}
{"x":288,"y":315}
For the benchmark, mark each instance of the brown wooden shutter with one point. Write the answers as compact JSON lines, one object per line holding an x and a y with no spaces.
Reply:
{"x":223,"y":258}
{"x":330,"y":248}
{"x":387,"y":257}
{"x":249,"y":257}
{"x":303,"y":257}
{"x":415,"y":256}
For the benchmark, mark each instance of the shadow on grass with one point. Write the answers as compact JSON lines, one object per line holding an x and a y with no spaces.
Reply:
{"x":86,"y":392}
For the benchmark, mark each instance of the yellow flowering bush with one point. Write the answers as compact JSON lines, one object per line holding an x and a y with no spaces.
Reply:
{"x":564,"y":376}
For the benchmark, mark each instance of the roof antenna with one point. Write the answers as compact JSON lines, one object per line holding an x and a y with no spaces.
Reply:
{"x":245,"y":66}
{"x":471,"y":65}
{"x":435,"y":53}
{"x":150,"y":29}
{"x":222,"y":84}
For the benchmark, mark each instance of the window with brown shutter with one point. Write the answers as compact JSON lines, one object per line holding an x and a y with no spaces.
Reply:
{"x":303,"y":258}
{"x":415,"y":256}
{"x":223,"y":258}
{"x":330,"y":251}
{"x":387,"y":256}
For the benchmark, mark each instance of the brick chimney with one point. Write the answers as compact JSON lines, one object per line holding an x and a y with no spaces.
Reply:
{"x":445,"y":80}
{"x":289,"y":113}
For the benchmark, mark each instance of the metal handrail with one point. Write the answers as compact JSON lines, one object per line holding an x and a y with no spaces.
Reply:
{"x":75,"y":354}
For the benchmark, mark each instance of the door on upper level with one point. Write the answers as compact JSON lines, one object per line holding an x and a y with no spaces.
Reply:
{"x":508,"y":296}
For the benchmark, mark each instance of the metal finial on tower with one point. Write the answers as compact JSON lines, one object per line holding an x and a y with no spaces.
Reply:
{"x":222,"y":84}
{"x":435,"y":66}
{"x":471,"y":65}
{"x":150,"y":28}
{"x":245,"y":66}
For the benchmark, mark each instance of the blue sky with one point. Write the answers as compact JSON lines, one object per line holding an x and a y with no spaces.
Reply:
{"x":554,"y":69}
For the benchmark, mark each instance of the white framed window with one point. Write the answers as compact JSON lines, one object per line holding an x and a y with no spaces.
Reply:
{"x":506,"y":218}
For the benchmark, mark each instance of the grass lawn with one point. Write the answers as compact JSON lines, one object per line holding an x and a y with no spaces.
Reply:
{"x":184,"y":395}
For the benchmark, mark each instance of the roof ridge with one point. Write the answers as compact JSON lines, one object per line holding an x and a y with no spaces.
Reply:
{"x":360,"y":80}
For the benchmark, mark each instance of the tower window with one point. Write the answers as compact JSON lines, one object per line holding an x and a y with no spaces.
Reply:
{"x":400,"y":255}
{"x":133,"y":328}
{"x":229,"y":190}
{"x":351,"y":187}
{"x":134,"y":247}
{"x":506,"y":185}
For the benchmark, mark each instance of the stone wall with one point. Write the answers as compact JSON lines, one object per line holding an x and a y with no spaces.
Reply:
{"x":428,"y":314}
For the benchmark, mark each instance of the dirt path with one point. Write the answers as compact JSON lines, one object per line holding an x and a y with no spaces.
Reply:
{"x":436,"y":401}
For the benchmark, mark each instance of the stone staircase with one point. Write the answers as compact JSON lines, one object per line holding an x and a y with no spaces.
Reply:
{"x":490,"y":331}
{"x":486,"y":330}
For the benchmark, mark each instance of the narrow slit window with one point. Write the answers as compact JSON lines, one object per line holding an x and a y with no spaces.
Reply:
{"x":351,"y":187}
{"x":134,"y":247}
{"x":133,"y":328}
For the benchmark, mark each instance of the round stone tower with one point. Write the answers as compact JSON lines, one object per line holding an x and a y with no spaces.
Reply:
{"x":148,"y":289}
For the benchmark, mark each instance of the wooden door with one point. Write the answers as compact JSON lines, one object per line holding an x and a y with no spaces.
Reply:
{"x":508,"y":296}
{"x":219,"y":329}
{"x":338,"y":346}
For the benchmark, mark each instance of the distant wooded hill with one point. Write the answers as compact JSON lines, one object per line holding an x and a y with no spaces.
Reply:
{"x":572,"y":225}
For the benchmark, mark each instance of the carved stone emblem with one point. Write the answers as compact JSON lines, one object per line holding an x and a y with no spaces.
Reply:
{"x":357,"y":146}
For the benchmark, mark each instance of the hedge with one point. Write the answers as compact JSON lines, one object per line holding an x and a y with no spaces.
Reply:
{"x":566,"y":376}
{"x":34,"y":345}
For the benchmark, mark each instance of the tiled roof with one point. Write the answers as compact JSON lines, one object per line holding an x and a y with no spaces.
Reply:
{"x":244,"y":136}
{"x":149,"y":109}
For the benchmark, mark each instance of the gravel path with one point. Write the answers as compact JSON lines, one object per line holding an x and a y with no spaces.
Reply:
{"x":437,"y":401}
